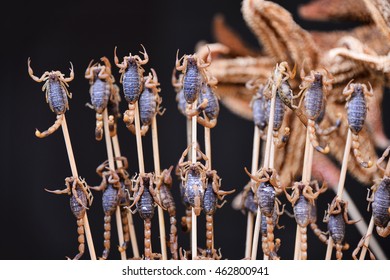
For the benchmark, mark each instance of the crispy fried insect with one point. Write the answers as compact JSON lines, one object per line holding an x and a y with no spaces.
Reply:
{"x":112,"y":193}
{"x":336,"y":216}
{"x":265,"y":196}
{"x":164,"y":185}
{"x":145,"y":199}
{"x":80,"y":199}
{"x":212,"y":194}
{"x":132,"y":80}
{"x":101,"y":87}
{"x":56,"y":93}
{"x":380,"y":199}
{"x":193,"y":176}
{"x":186,"y":220}
{"x":329,"y":130}
{"x":113,"y":110}
{"x":178,"y":86}
{"x":149,"y":104}
{"x":258,"y":104}
{"x":312,"y":90}
{"x":357,"y":111}
{"x":194,"y":74}
{"x":264,"y":230}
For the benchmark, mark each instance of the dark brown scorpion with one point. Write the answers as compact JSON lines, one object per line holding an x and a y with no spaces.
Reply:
{"x":56,"y":93}
{"x":132,"y":80}
{"x":80,"y":199}
{"x":357,"y":111}
{"x":112,"y":193}
{"x":145,"y":199}
{"x":101,"y":87}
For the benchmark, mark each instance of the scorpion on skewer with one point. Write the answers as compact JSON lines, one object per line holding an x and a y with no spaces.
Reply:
{"x":265,"y":196}
{"x":264,"y":232}
{"x":337,"y":216}
{"x":164,"y":185}
{"x":145,"y":199}
{"x":177,"y":85}
{"x":56,"y":94}
{"x":80,"y":199}
{"x":312,"y":92}
{"x":303,"y":200}
{"x":101,"y":88}
{"x":357,"y":111}
{"x":113,"y":110}
{"x":112,"y":193}
{"x":149,"y":103}
{"x":212,"y":195}
{"x":132,"y":80}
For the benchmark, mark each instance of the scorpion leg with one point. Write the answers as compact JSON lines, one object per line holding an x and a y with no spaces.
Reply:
{"x":99,"y":127}
{"x":381,"y":159}
{"x":206,"y":123}
{"x":383,"y":232}
{"x":178,"y":61}
{"x":345,"y":215}
{"x":71,"y":75}
{"x":194,"y":112}
{"x":208,"y":60}
{"x":51,"y":129}
{"x":122,"y":65}
{"x":31,"y":73}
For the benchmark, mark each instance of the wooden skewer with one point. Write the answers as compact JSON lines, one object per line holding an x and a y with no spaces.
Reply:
{"x":254,"y":167}
{"x":157,"y":170}
{"x":340,"y":186}
{"x":194,"y":243}
{"x":75,"y":174}
{"x":138,"y":137}
{"x":133,"y":237}
{"x":267,"y":156}
{"x":111,"y":164}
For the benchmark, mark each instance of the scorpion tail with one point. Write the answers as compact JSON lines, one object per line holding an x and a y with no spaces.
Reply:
{"x":322,"y":237}
{"x":107,"y":236}
{"x":81,"y":239}
{"x":209,"y":234}
{"x":51,"y":129}
{"x":339,"y":253}
{"x":303,"y":231}
{"x":99,"y":127}
{"x":173,"y":237}
{"x":112,"y":125}
{"x":356,"y":152}
{"x":270,"y":235}
{"x":147,"y":241}
{"x":313,"y":138}
{"x":125,"y":227}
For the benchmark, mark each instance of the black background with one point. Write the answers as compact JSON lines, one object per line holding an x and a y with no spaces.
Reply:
{"x":39,"y":225}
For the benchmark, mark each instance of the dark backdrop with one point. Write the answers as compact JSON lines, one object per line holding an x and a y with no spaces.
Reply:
{"x":39,"y":225}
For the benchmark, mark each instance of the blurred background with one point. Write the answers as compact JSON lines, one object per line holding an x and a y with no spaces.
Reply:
{"x":40,"y":225}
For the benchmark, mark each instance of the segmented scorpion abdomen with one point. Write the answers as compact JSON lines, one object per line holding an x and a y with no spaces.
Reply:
{"x":100,"y":93}
{"x":279,"y":112}
{"x":212,"y":108}
{"x":132,"y":81}
{"x":56,"y":95}
{"x":285,"y":92}
{"x":356,"y":109}
{"x":381,"y":203}
{"x":194,"y":190}
{"x":263,"y":226}
{"x":110,"y":199}
{"x":192,"y":84}
{"x":302,"y":209}
{"x":147,"y":106}
{"x":314,"y":98}
{"x":145,"y":205}
{"x":210,"y":199}
{"x":336,"y":227}
{"x":250,"y":203}
{"x":125,"y":194}
{"x":259,"y":108}
{"x":266,"y":198}
{"x":77,"y":209}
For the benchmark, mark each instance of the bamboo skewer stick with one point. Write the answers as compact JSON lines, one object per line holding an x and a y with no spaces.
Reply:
{"x":340,"y":186}
{"x":266,"y":165}
{"x":111,"y":164}
{"x":75,"y":174}
{"x":194,"y":245}
{"x":157,"y":170}
{"x":133,"y":237}
{"x":138,"y":137}
{"x":254,"y":167}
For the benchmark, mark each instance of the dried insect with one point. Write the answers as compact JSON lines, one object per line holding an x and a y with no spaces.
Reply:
{"x":194,"y":74}
{"x":312,"y":90}
{"x":177,"y":85}
{"x":112,"y":193}
{"x":149,"y":103}
{"x":81,"y":197}
{"x":265,"y":196}
{"x":303,"y":200}
{"x":113,"y":110}
{"x":56,"y":94}
{"x":132,"y":80}
{"x":380,"y":199}
{"x":101,"y":87}
{"x":193,"y":176}
{"x":357,"y":111}
{"x":259,"y":105}
{"x":264,"y":231}
{"x":336,"y":216}
{"x":186,"y":220}
{"x":212,"y":194}
{"x":145,"y":199}
{"x":164,"y":185}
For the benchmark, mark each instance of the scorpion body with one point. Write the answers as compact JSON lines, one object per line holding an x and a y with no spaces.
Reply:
{"x":132,"y":81}
{"x":356,"y":112}
{"x":177,"y":85}
{"x":80,"y":198}
{"x":167,"y":201}
{"x":336,"y":218}
{"x":259,"y":108}
{"x":56,"y":93}
{"x":113,"y":110}
{"x":264,"y":228}
{"x":211,"y":109}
